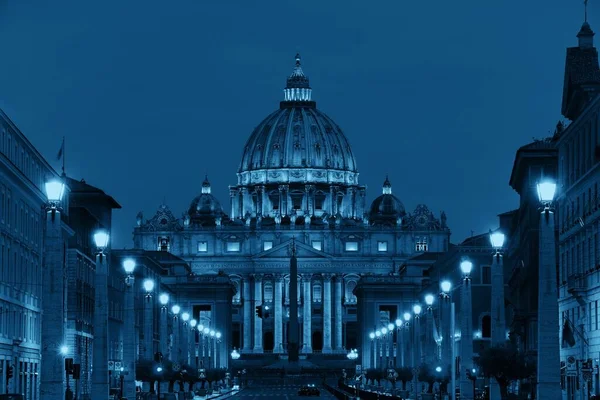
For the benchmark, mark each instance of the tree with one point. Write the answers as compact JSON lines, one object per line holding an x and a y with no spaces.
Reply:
{"x":405,"y":374}
{"x":505,"y":364}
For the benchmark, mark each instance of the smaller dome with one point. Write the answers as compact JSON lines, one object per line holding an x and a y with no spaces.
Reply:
{"x":387,"y":207}
{"x":205,"y":207}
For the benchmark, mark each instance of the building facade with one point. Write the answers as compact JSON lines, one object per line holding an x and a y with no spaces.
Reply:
{"x":298,"y":180}
{"x":23,"y":172}
{"x":579,"y":219}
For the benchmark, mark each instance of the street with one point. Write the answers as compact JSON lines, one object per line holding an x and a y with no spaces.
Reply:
{"x":278,"y":392}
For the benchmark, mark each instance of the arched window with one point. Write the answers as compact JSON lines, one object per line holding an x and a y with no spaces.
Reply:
{"x":486,"y":326}
{"x":274,"y":198}
{"x":319,"y":200}
{"x":297,"y":200}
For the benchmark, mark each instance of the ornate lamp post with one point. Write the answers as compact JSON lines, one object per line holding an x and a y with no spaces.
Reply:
{"x":163,"y":344}
{"x":148,"y":319}
{"x":174,"y":353}
{"x":373,"y":347}
{"x":100,"y":378}
{"x":548,"y":366}
{"x":129,"y":356}
{"x":498,"y":312}
{"x":416,"y":360}
{"x":193,"y":358}
{"x":184,"y":335}
{"x":466,"y":330}
{"x":407,"y":347}
{"x":448,"y":340}
{"x":430,"y":345}
{"x":52,"y":376}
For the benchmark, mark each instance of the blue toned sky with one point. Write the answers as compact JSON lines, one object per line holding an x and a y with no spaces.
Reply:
{"x":151,"y":95}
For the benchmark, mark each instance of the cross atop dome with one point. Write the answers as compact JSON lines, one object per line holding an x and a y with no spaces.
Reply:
{"x":298,"y":86}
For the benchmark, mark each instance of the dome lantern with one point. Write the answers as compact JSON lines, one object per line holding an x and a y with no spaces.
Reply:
{"x":298,"y":87}
{"x":206,"y":186}
{"x":387,"y":186}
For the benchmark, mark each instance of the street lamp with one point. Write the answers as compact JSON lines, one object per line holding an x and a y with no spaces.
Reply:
{"x":128,"y":267}
{"x":548,"y":365}
{"x":498,"y":311}
{"x":163,"y":299}
{"x":235,"y":354}
{"x":193,"y":324}
{"x":185,"y":318}
{"x":175,"y":310}
{"x":64,"y":350}
{"x":55,"y":190}
{"x":148,"y":287}
{"x":466,"y":330}
{"x":446,"y":286}
{"x":100,"y":379}
{"x":129,"y":333}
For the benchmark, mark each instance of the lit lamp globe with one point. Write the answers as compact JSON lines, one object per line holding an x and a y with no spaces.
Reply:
{"x":185,"y":317}
{"x":212,"y":333}
{"x":54,"y":191}
{"x":372,"y":335}
{"x":218,"y":335}
{"x":390,"y":327}
{"x":407,"y":316}
{"x":235,"y":354}
{"x":466,"y":267}
{"x":193,"y":323}
{"x":128,"y":266}
{"x":206,"y":331}
{"x":429,"y":299}
{"x":497,"y":240}
{"x":384,"y":330}
{"x":398,"y":323}
{"x":417,"y":309}
{"x":101,"y":240}
{"x":446,"y":286}
{"x":200,"y":328}
{"x":175,"y":309}
{"x":64,"y":350}
{"x":377,"y":333}
{"x":163,"y":299}
{"x":546,"y":191}
{"x":148,"y":285}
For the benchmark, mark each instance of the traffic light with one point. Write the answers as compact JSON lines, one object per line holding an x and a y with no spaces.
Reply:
{"x":9,"y":373}
{"x":259,"y":311}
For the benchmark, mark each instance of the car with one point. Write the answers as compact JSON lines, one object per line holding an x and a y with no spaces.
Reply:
{"x":309,"y":390}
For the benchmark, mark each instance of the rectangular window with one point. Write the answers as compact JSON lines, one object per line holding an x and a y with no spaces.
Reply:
{"x":351,"y":246}
{"x":486,"y":275}
{"x":202,"y":247}
{"x":267,"y":245}
{"x":381,"y":246}
{"x":421,"y":245}
{"x":233,"y":246}
{"x":317,"y":245}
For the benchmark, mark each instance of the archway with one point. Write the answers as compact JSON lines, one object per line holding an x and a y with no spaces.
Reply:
{"x":268,"y":341}
{"x":317,"y":341}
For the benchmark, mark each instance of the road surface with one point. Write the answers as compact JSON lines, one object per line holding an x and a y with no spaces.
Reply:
{"x":278,"y":392}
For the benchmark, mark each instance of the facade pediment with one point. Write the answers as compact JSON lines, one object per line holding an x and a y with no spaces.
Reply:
{"x":284,"y":250}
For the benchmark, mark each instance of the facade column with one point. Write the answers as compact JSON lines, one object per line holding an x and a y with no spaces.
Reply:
{"x":129,"y":340}
{"x":258,"y":334}
{"x":247,"y":299}
{"x":234,"y":203}
{"x":265,"y":208}
{"x":307,"y":317}
{"x":338,"y":313}
{"x":278,"y":314}
{"x":52,"y":376}
{"x":327,"y":313}
{"x":100,"y":383}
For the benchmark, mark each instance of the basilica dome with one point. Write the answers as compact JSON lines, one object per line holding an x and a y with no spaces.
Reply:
{"x":205,"y":208}
{"x":297,"y":143}
{"x":387,"y":208}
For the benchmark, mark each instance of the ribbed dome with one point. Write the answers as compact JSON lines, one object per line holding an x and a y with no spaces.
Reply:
{"x":205,"y":206}
{"x":297,"y":142}
{"x":387,"y":206}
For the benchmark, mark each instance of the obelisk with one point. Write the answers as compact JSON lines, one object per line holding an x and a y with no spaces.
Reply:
{"x":293,"y":335}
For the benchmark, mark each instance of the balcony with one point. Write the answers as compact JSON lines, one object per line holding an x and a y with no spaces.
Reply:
{"x":577,"y":285}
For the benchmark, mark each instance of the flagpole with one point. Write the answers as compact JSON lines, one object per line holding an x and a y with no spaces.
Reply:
{"x":63,"y":157}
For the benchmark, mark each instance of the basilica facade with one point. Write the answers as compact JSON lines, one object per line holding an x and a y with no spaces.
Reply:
{"x":298,"y":181}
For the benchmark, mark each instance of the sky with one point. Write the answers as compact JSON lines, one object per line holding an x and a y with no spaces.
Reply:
{"x":152,"y":95}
